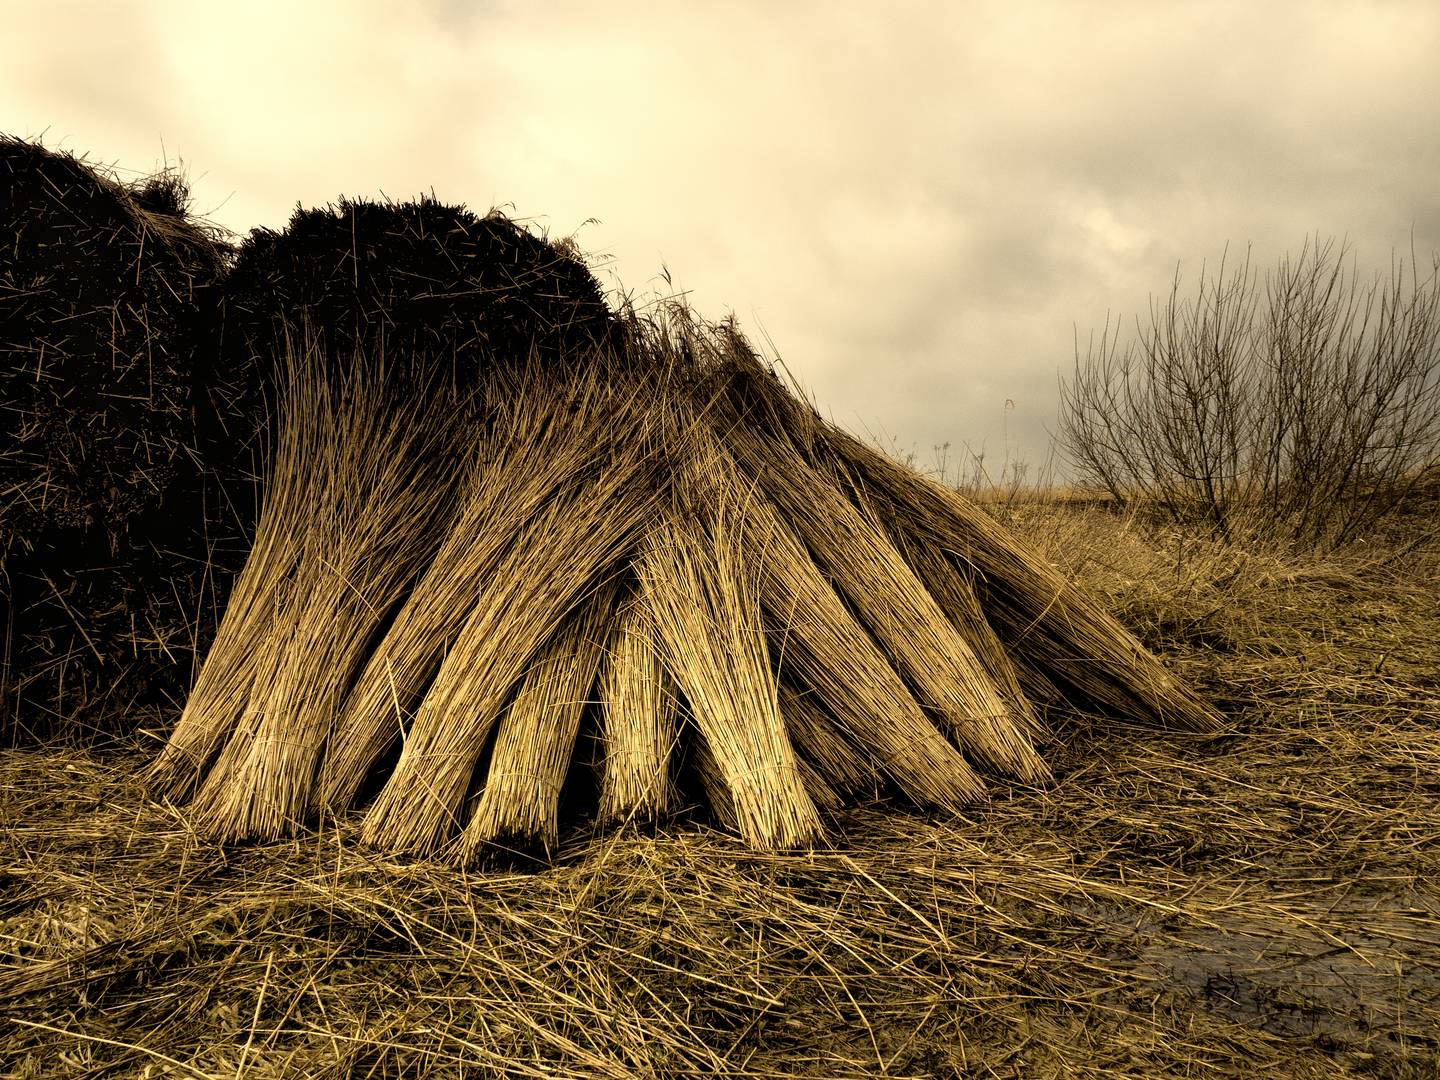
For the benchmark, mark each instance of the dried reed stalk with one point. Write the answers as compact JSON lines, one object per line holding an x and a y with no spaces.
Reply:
{"x":825,"y":651}
{"x":718,"y":797}
{"x":821,"y":746}
{"x":303,"y":436}
{"x":880,"y":587}
{"x":955,"y":597}
{"x":544,"y":435}
{"x":702,"y":597}
{"x":388,"y":473}
{"x":721,"y":801}
{"x":1036,"y":613}
{"x":818,"y":788}
{"x":535,"y":739}
{"x":580,"y":536}
{"x":640,"y":722}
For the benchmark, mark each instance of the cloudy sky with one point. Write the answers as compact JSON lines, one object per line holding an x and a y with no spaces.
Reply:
{"x":919,"y":204}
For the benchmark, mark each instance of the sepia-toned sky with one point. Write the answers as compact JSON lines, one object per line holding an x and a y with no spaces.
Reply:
{"x":919,"y":204}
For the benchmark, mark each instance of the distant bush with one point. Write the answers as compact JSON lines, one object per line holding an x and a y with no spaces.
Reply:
{"x":1303,"y":405}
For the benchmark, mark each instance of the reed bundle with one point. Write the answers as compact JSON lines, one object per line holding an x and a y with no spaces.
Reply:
{"x":907,"y":623}
{"x":844,"y":771}
{"x":258,"y":597}
{"x":520,"y":801}
{"x":538,"y":442}
{"x":640,"y":721}
{"x":1067,"y":643}
{"x":550,"y":564}
{"x":702,"y":595}
{"x":1062,"y":644}
{"x":953,"y":591}
{"x":829,"y":653}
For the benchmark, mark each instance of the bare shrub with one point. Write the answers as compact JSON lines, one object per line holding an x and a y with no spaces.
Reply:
{"x":1302,"y":405}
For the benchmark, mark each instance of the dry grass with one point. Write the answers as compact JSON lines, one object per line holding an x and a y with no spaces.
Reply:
{"x":1174,"y":906}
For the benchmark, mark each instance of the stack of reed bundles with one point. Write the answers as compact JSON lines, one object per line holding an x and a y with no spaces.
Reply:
{"x":653,"y":546}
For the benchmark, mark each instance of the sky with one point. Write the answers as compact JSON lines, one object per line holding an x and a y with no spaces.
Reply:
{"x":917,"y":206}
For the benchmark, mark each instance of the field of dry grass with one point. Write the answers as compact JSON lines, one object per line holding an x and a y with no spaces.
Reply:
{"x":1263,"y":902}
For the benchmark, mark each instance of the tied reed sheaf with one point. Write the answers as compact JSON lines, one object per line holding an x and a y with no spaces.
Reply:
{"x":702,"y":595}
{"x":649,"y":566}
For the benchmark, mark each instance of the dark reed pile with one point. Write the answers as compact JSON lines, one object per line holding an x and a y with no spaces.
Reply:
{"x":649,"y":564}
{"x":418,"y":278}
{"x":108,"y":526}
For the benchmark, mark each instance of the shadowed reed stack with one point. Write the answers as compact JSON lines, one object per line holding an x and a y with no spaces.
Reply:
{"x":109,"y":521}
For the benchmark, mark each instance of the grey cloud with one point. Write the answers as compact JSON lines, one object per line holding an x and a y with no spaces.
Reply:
{"x":919,"y":201}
